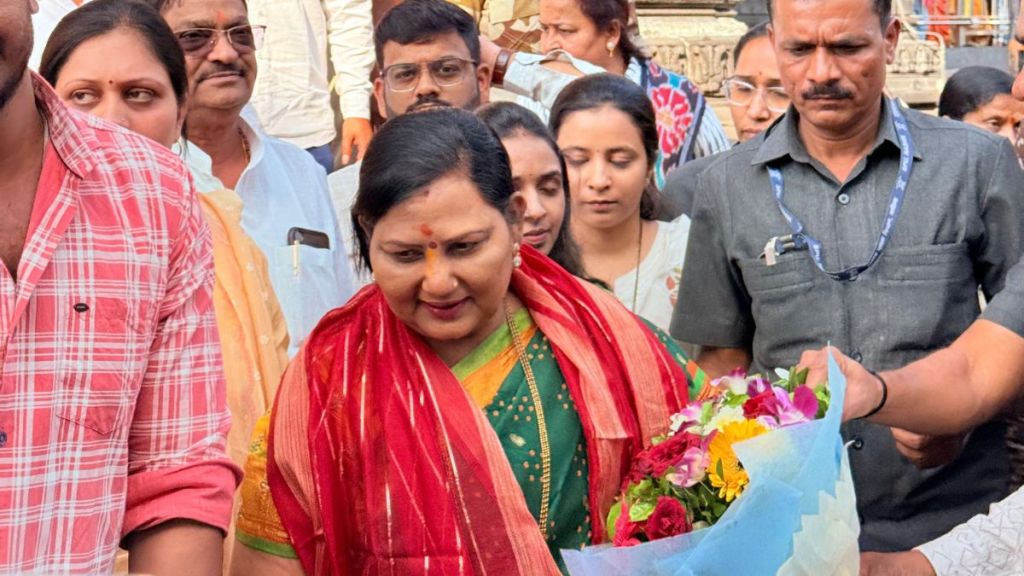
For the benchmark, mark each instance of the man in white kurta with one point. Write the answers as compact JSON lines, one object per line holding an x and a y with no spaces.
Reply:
{"x":292,"y":96}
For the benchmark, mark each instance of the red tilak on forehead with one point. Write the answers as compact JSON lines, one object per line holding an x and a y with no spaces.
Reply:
{"x":426,"y":230}
{"x":432,"y":245}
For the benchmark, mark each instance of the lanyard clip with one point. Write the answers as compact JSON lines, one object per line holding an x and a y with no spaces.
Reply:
{"x":295,"y":258}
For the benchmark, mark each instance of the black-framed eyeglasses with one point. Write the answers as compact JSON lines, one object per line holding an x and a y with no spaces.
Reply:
{"x":244,"y":39}
{"x":742,"y":93}
{"x":444,"y":71}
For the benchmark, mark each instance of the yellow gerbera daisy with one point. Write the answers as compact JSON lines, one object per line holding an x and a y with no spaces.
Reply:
{"x":733,"y":477}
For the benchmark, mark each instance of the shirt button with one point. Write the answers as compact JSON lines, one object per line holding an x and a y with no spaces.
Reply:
{"x":858,"y":443}
{"x":843,"y":199}
{"x":857,"y":356}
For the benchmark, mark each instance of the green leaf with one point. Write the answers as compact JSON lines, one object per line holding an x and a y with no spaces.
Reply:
{"x":824,"y":396}
{"x":720,"y":469}
{"x":798,"y":378}
{"x":613,"y":518}
{"x":642,"y":510}
{"x":707,"y":411}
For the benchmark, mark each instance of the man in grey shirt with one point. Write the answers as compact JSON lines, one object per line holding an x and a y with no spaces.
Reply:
{"x":902,"y":278}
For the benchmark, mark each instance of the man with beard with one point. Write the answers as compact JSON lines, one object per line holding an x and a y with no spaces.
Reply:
{"x":112,"y":409}
{"x":857,"y":222}
{"x":428,"y":52}
{"x":286,"y":204}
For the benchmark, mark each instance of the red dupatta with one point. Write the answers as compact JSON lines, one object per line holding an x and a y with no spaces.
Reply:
{"x":379,"y":462}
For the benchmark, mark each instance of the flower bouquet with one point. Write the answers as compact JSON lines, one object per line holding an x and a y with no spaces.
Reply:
{"x":750,"y":466}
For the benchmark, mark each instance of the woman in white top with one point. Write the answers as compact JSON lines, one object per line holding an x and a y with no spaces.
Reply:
{"x":606,"y":129}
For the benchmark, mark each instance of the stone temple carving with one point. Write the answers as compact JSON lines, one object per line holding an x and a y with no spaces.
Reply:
{"x":696,"y":38}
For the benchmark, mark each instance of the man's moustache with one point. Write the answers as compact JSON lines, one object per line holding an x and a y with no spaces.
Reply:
{"x":827,"y":92}
{"x":232,"y":69}
{"x":428,"y":103}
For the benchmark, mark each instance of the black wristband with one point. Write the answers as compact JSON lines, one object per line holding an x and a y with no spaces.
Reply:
{"x":885,"y":396}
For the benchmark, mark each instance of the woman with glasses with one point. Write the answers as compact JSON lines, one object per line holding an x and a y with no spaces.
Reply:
{"x":754,"y":91}
{"x":118,"y":60}
{"x":473,"y":412}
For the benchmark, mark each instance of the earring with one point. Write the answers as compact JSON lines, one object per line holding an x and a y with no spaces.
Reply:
{"x":517,"y":260}
{"x":611,"y":49}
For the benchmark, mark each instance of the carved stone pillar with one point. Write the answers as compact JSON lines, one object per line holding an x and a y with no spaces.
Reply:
{"x":692,"y":37}
{"x":697,"y":38}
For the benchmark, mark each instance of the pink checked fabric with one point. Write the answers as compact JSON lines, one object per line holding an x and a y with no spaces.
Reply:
{"x":112,"y":404}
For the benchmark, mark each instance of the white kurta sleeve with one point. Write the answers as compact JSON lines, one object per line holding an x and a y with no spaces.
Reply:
{"x":987,"y":545}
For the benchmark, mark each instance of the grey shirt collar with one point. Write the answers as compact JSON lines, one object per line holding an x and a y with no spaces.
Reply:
{"x":782,"y":138}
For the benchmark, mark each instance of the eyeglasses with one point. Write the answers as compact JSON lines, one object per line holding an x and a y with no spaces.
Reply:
{"x":200,"y":41}
{"x":741,"y":93}
{"x":445,"y":72}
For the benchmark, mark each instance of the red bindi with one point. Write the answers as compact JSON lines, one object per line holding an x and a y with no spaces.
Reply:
{"x":426,"y":230}
{"x":432,"y":245}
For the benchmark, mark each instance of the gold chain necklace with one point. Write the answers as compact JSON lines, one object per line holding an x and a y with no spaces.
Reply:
{"x":542,"y":427}
{"x":245,"y":146}
{"x":636,"y":280}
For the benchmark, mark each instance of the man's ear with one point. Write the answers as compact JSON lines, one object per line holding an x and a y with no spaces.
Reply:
{"x":892,"y":37}
{"x":378,"y":93}
{"x":483,"y":81}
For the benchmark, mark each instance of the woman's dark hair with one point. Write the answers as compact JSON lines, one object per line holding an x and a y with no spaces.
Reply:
{"x":971,"y":88}
{"x":605,"y":13}
{"x":508,"y":120}
{"x":101,"y":17}
{"x":756,"y":31}
{"x":600,"y":90}
{"x":414,"y":150}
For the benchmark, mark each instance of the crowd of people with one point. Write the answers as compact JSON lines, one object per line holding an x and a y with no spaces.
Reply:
{"x":227,"y":348}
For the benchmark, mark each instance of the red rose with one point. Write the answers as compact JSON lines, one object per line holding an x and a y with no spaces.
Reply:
{"x":670,"y":452}
{"x":668,"y":519}
{"x":764,"y":404}
{"x":626,"y":532}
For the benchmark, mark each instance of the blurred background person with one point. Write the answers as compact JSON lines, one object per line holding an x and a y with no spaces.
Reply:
{"x":981,"y":96}
{"x":756,"y":99}
{"x":286,"y":204}
{"x":304,"y":40}
{"x":594,"y":36}
{"x":538,"y":174}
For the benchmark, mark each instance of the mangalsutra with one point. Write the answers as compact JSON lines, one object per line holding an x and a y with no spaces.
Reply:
{"x":542,"y":427}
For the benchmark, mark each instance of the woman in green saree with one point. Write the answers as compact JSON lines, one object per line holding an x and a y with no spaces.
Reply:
{"x":475,"y":409}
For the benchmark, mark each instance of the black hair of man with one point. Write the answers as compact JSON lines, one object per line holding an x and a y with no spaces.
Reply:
{"x":882,"y":7}
{"x":759,"y":30}
{"x":162,"y":5}
{"x":420,"y":21}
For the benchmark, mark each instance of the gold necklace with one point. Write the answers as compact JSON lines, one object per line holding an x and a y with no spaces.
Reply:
{"x":245,"y":146}
{"x":636,"y":280}
{"x":542,"y":427}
